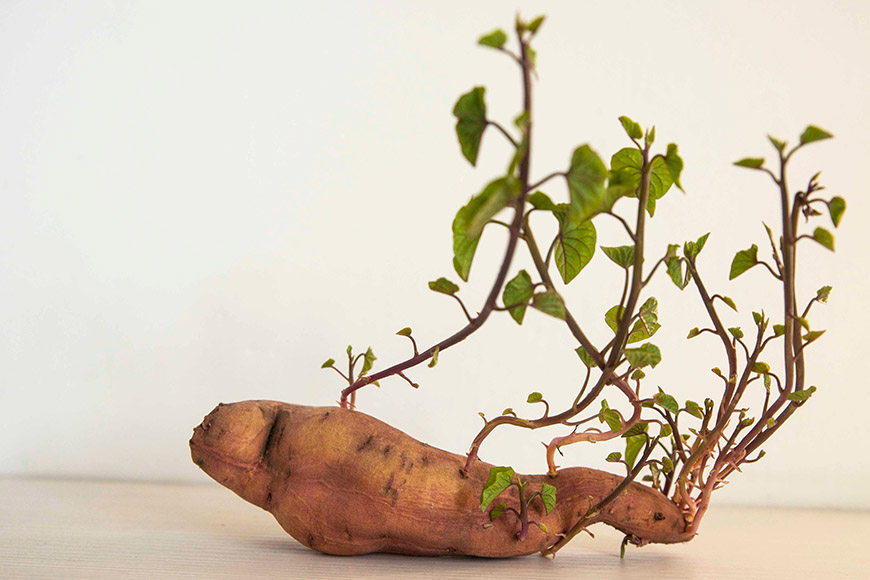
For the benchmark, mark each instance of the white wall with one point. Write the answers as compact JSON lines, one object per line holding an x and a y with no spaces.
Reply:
{"x":201,"y":202}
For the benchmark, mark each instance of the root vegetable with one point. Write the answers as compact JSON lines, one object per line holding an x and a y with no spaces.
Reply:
{"x":342,"y":482}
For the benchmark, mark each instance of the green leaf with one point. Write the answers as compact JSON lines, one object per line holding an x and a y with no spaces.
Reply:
{"x":549,"y":302}
{"x":646,"y":324}
{"x":778,"y":329}
{"x":585,"y":357}
{"x":823,"y":293}
{"x":548,"y":496}
{"x":836,"y":207}
{"x":631,"y":128}
{"x":813,"y":335}
{"x":780,"y":145}
{"x":813,"y":133}
{"x":534,"y":397}
{"x":614,"y":457}
{"x":665,"y":431}
{"x":534,"y":25}
{"x":434,"y":360}
{"x":667,"y":464}
{"x":369,"y":359}
{"x":650,"y":137}
{"x":518,"y":291}
{"x":692,"y":249}
{"x":574,"y":244}
{"x":629,"y":162}
{"x":638,"y":375}
{"x":645,"y":355}
{"x":405,"y":331}
{"x":586,"y":177}
{"x":633,"y":445}
{"x":743,"y":260}
{"x":609,"y":416}
{"x":751,"y":162}
{"x":761,"y":367}
{"x":622,"y":256}
{"x":613,"y":316}
{"x":470,"y":219}
{"x":730,"y":302}
{"x":694,"y":409}
{"x":470,"y":113}
{"x":499,"y":480}
{"x":494,"y":39}
{"x":540,"y":200}
{"x":675,"y":164}
{"x":328,"y":364}
{"x":497,"y":511}
{"x":443,"y":286}
{"x":694,"y":332}
{"x":675,"y":269}
{"x":666,"y":402}
{"x":824,"y":237}
{"x":736,"y":332}
{"x":638,"y":428}
{"x":803,"y":322}
{"x":799,"y":396}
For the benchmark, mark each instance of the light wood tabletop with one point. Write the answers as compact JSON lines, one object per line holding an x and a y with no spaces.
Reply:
{"x":98,"y":529}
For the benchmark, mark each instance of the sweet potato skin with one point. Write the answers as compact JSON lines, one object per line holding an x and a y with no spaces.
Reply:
{"x":342,"y":482}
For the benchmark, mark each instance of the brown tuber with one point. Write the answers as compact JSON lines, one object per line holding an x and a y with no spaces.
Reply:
{"x":342,"y":482}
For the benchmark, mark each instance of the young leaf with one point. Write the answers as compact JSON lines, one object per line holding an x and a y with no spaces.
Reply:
{"x":613,"y":316}
{"x":644,"y":355}
{"x":549,"y":303}
{"x":751,"y":162}
{"x":328,"y":363}
{"x":405,"y":331}
{"x":585,"y":357}
{"x":534,"y":397}
{"x":586,"y":177}
{"x":494,"y":39}
{"x":694,"y":409}
{"x":470,"y":219}
{"x":780,"y":145}
{"x":443,"y":286}
{"x":743,"y":260}
{"x":535,"y":24}
{"x":631,"y":128}
{"x":470,"y":113}
{"x":675,"y":268}
{"x":836,"y":207}
{"x":609,"y":416}
{"x":694,"y":332}
{"x":692,"y":249}
{"x":665,"y":431}
{"x":813,"y":133}
{"x":667,"y":465}
{"x":575,"y":243}
{"x":499,"y":480}
{"x":518,"y":291}
{"x":666,"y":402}
{"x":638,"y":428}
{"x":369,"y":359}
{"x":730,"y":302}
{"x":778,"y":329}
{"x":646,"y":324}
{"x":824,"y":237}
{"x":675,"y":164}
{"x":548,"y":496}
{"x":761,"y":367}
{"x":650,"y":137}
{"x":736,"y":332}
{"x":614,"y":457}
{"x":434,"y":360}
{"x":622,"y":256}
{"x":638,"y":375}
{"x":497,"y":511}
{"x":629,"y":162}
{"x":799,"y":396}
{"x":633,"y":445}
{"x":813,"y":335}
{"x":823,"y":293}
{"x":540,"y":200}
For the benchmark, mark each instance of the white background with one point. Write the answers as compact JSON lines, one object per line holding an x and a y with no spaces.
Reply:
{"x":202,"y":201}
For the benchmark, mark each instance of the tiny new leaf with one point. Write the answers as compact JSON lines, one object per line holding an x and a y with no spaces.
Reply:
{"x":694,"y":409}
{"x":813,"y":335}
{"x":778,"y":329}
{"x":585,"y":356}
{"x":751,"y":162}
{"x":535,"y":24}
{"x":494,"y":39}
{"x":499,"y":480}
{"x":799,"y":396}
{"x":550,"y":303}
{"x":743,"y":260}
{"x":675,"y":164}
{"x":434,"y":360}
{"x":328,"y":363}
{"x":574,"y":244}
{"x":470,"y":113}
{"x":548,"y":496}
{"x":779,"y":144}
{"x":836,"y":207}
{"x":497,"y":511}
{"x":666,"y":402}
{"x":534,"y":397}
{"x":369,"y":359}
{"x":736,"y":332}
{"x":694,"y":332}
{"x":645,"y":355}
{"x":517,"y":293}
{"x":631,"y":128}
{"x":613,"y":317}
{"x":647,"y":323}
{"x":730,"y":302}
{"x":614,"y":457}
{"x":586,"y":177}
{"x":823,"y":293}
{"x":609,"y":416}
{"x":540,"y":200}
{"x":813,"y":133}
{"x":443,"y":286}
{"x":824,"y":237}
{"x":629,"y":162}
{"x":405,"y":331}
{"x":692,"y":249}
{"x":761,"y":367}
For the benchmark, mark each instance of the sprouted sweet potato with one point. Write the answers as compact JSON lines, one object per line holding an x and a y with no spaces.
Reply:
{"x":344,"y":483}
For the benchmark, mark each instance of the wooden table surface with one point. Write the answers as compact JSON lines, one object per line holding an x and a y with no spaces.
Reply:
{"x":97,"y":529}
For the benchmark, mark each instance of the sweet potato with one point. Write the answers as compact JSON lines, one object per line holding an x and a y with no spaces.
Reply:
{"x":342,"y":482}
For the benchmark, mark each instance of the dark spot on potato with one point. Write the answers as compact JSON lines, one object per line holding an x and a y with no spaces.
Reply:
{"x":268,"y":500}
{"x":387,"y":450}
{"x":325,"y":416}
{"x":425,"y":460}
{"x":391,"y":492}
{"x":199,"y":461}
{"x":347,"y":533}
{"x":366,"y":443}
{"x":311,"y":540}
{"x":659,"y":516}
{"x":410,"y":467}
{"x":404,"y":459}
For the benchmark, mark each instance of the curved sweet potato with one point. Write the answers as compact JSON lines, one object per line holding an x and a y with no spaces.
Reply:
{"x":342,"y":482}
